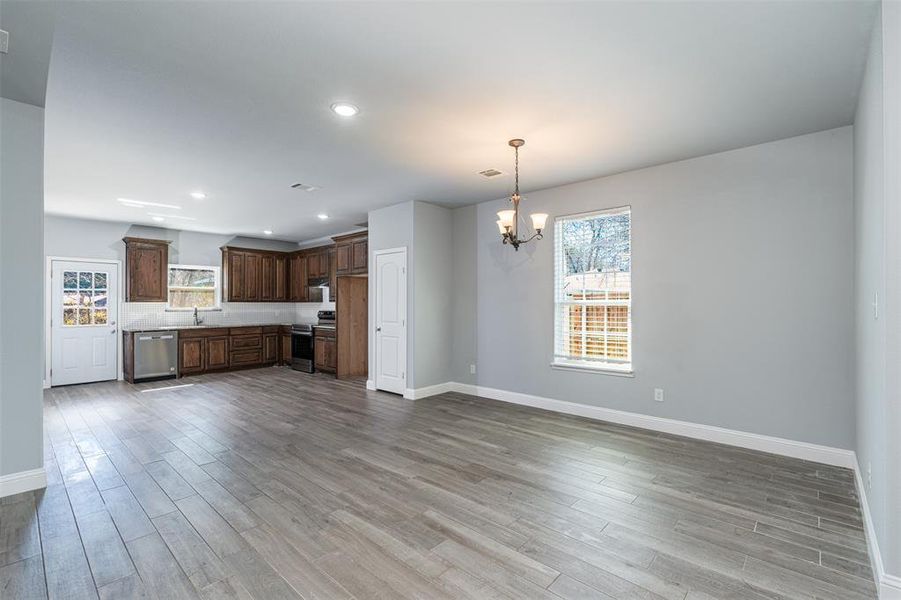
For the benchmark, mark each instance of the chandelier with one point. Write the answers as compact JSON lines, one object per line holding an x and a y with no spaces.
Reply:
{"x":508,"y":220}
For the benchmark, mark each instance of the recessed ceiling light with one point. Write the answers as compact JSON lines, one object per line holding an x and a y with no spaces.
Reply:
{"x":267,"y":231}
{"x":153,"y":214}
{"x":322,"y":216}
{"x":142,"y":204}
{"x":158,"y":219}
{"x":344,"y":109}
{"x":198,"y":195}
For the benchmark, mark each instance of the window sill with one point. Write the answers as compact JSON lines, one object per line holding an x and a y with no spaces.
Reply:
{"x":615,"y":371}
{"x":192,"y":310}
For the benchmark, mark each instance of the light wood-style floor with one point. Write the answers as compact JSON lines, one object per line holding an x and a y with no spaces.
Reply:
{"x":275,"y":484}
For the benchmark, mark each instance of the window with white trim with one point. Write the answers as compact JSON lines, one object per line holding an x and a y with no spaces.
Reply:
{"x":593,"y":290}
{"x":192,"y":285}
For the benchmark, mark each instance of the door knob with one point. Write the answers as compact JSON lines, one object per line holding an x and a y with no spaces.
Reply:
{"x":377,"y":329}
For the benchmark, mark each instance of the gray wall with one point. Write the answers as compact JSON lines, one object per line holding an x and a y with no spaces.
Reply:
{"x":433,"y":295}
{"x":464,"y":342}
{"x":21,"y":289}
{"x":87,"y":238}
{"x":742,"y":292}
{"x":877,"y":212}
{"x":391,"y":227}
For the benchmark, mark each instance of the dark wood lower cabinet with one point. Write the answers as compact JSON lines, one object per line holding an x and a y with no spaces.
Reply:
{"x":222,"y":348}
{"x":217,"y":353}
{"x":325,"y":350}
{"x":285,"y":350}
{"x":191,"y":353}
{"x":270,"y":347}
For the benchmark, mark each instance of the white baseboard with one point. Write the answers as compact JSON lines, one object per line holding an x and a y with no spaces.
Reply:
{"x":753,"y":441}
{"x":370,"y":384}
{"x":889,"y":586}
{"x":430,"y":390}
{"x":23,"y":481}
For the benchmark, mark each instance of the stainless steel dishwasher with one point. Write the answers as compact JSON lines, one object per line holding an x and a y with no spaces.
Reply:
{"x":156,"y":354}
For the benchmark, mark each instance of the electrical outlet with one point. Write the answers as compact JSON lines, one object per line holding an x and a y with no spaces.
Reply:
{"x":869,"y":476}
{"x":472,"y":369}
{"x":658,"y":394}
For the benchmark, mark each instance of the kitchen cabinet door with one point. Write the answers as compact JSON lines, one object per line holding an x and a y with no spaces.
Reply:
{"x":325,"y":354}
{"x":285,"y":350}
{"x":360,"y":256}
{"x":147,"y":270}
{"x":270,"y":347}
{"x":332,"y":275}
{"x":297,"y":281}
{"x":191,"y":355}
{"x":280,"y":278}
{"x":313,"y":264}
{"x":342,"y":259}
{"x":217,"y":352}
{"x":267,"y":277}
{"x":252,"y":276}
{"x":235,"y":276}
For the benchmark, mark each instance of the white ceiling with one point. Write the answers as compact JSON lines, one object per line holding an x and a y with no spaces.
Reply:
{"x":151,"y":101}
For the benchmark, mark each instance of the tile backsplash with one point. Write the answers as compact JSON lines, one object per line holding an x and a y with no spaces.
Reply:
{"x":137,"y":315}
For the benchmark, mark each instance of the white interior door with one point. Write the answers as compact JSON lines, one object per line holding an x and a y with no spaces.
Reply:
{"x":391,"y":320}
{"x":83,"y":322}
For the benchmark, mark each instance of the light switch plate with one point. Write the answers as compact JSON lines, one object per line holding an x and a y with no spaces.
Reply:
{"x":4,"y":41}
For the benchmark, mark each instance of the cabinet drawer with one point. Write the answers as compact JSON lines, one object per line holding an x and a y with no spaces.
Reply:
{"x":245,"y":330}
{"x":239,"y":342}
{"x":246,"y":357}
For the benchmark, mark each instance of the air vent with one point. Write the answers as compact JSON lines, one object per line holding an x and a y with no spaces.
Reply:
{"x":304,"y":187}
{"x":489,"y":173}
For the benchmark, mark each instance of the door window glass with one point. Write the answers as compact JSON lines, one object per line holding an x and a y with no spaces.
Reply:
{"x":85,"y":298}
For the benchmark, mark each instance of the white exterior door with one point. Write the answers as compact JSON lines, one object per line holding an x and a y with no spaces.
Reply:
{"x":83,"y":322}
{"x":391,"y":320}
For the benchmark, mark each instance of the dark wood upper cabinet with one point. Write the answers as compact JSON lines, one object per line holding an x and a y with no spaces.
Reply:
{"x":314,"y":265}
{"x":352,"y":254}
{"x":233,"y":275}
{"x":360,"y":260}
{"x":297,"y":277}
{"x":267,"y":277}
{"x":332,"y":274}
{"x":147,"y":270}
{"x":270,"y":276}
{"x":280,"y":277}
{"x":252,"y":276}
{"x":342,"y":258}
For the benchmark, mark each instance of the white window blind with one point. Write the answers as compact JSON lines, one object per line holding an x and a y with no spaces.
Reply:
{"x":593,"y":290}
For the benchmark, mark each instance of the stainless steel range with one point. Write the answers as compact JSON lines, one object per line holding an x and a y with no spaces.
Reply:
{"x":302,"y":347}
{"x":302,"y":354}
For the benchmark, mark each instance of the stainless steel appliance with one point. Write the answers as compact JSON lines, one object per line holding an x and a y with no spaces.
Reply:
{"x":155,"y":355}
{"x":326,"y":318}
{"x":302,"y":347}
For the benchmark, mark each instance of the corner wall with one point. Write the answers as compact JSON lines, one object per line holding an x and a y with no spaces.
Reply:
{"x":431,"y":313}
{"x":877,"y":212}
{"x":21,"y":291}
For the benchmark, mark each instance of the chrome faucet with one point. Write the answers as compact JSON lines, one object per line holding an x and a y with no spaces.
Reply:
{"x":197,"y":320}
